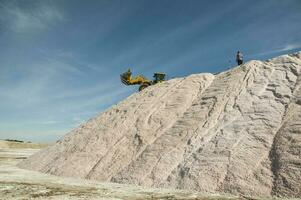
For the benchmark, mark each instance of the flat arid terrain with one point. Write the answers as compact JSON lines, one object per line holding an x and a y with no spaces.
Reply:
{"x":16,"y":183}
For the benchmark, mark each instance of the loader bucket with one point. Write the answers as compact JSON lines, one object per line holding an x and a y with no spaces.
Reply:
{"x":125,"y":77}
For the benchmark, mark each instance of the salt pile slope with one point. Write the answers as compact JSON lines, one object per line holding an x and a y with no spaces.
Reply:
{"x":238,"y":132}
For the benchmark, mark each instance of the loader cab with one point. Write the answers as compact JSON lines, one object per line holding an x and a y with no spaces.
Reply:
{"x":159,"y":77}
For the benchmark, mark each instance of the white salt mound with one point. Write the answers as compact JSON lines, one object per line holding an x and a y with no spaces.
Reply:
{"x":237,"y":132}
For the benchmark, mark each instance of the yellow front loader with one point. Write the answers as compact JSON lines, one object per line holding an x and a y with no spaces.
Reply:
{"x":126,"y":78}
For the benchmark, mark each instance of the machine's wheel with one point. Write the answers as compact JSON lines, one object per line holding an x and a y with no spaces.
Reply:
{"x":143,"y":87}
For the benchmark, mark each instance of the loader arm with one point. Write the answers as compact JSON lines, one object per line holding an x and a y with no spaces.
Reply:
{"x":126,"y":78}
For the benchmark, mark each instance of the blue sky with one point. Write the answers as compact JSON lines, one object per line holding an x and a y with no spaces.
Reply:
{"x":60,"y":60}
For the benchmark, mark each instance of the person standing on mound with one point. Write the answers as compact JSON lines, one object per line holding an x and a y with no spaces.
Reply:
{"x":239,"y":58}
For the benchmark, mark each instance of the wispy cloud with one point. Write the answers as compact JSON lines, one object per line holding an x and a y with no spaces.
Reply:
{"x":173,"y":36}
{"x":46,"y":89}
{"x":21,"y":20}
{"x":291,"y":47}
{"x":283,"y":49}
{"x":49,"y":122}
{"x":35,"y":82}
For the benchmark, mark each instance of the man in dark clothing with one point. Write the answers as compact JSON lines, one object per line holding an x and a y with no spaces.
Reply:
{"x":239,"y":58}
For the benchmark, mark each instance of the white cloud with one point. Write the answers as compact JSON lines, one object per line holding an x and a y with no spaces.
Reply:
{"x":285,"y":48}
{"x":49,"y":122}
{"x":36,"y":82}
{"x":22,"y":20}
{"x":291,"y":47}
